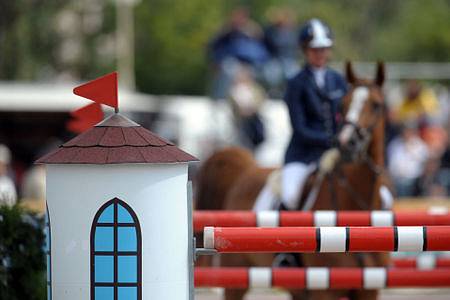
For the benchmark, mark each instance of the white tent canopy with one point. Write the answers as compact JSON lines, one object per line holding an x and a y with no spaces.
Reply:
{"x":55,"y":97}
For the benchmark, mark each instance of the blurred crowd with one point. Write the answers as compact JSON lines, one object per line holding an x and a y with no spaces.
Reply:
{"x":269,"y":53}
{"x":23,"y":186}
{"x":250,"y":63}
{"x":418,"y":153}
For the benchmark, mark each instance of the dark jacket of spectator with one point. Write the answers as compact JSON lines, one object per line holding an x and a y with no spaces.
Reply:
{"x":239,"y":45}
{"x":281,"y":41}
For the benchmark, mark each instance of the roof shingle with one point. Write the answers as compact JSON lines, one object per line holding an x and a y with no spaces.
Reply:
{"x":116,"y":140}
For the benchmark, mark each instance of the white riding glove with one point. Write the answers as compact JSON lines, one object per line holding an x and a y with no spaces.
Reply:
{"x":329,"y":160}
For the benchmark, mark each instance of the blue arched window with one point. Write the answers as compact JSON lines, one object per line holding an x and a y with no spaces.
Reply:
{"x":116,"y":253}
{"x":48,"y":253}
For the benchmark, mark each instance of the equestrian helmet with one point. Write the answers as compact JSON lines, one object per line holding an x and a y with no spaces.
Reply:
{"x":315,"y":34}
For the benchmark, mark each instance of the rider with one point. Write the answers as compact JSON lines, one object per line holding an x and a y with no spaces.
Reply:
{"x":313,"y":98}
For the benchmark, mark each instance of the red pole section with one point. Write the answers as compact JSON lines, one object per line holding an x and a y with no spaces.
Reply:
{"x":320,"y":278}
{"x":327,"y":239}
{"x":203,"y":218}
{"x":407,"y":278}
{"x":229,"y":277}
{"x":421,"y":262}
{"x":317,"y":218}
{"x":241,"y":239}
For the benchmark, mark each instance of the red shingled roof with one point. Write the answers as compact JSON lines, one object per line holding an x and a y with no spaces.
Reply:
{"x":116,"y":140}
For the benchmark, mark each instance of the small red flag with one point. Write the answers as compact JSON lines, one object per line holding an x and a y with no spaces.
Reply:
{"x":101,"y":90}
{"x":89,"y":112}
{"x":84,"y":118}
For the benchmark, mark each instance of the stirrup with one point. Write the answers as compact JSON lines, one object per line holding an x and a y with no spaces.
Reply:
{"x":285,"y":260}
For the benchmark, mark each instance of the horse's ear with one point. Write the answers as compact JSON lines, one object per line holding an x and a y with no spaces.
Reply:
{"x":380,"y":76}
{"x":351,"y":78}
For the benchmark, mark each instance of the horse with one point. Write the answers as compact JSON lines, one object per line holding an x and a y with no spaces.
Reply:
{"x":231,"y":180}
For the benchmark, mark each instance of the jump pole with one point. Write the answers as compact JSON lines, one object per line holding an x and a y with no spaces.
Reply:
{"x":317,"y":218}
{"x":421,"y":262}
{"x":327,"y":239}
{"x":320,"y":278}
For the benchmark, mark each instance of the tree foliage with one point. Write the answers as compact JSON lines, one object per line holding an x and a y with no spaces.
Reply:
{"x":171,"y":36}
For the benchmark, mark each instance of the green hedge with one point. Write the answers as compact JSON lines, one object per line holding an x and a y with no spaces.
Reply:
{"x":22,"y":258}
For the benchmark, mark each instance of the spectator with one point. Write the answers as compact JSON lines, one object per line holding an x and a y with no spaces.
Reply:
{"x":407,"y":155}
{"x":419,"y":105}
{"x":436,"y":139}
{"x":8,"y":194}
{"x":246,"y":97}
{"x":430,"y":183}
{"x":444,"y":171}
{"x":240,"y":42}
{"x":280,"y":38}
{"x":33,"y":184}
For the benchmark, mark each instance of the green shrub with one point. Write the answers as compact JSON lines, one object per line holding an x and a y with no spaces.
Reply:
{"x":22,"y":259}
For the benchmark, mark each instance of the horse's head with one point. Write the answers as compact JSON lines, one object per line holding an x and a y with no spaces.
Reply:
{"x":363,"y":110}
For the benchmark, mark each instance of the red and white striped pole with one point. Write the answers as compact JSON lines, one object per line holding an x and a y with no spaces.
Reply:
{"x":320,"y":278}
{"x":421,"y":262}
{"x":317,"y":218}
{"x":327,"y":239}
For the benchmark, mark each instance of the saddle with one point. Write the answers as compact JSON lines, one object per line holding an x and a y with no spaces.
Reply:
{"x":271,"y":196}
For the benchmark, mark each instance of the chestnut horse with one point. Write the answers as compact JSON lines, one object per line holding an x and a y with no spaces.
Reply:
{"x":231,"y":180}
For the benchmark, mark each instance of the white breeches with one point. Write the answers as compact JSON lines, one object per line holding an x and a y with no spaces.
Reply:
{"x":293,"y":178}
{"x":285,"y":185}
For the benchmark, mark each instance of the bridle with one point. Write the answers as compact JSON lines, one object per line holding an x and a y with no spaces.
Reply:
{"x":357,"y":150}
